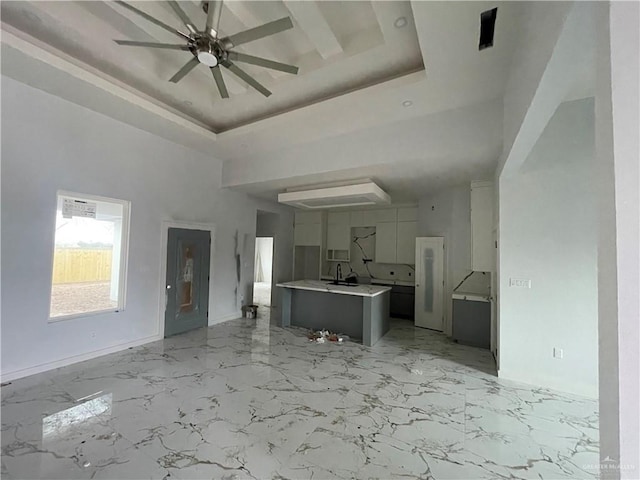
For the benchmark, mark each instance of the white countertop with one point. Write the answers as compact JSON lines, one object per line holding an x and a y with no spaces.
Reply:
{"x":323,"y":286}
{"x":383,"y":281}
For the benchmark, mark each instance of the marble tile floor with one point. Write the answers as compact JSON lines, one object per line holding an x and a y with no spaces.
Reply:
{"x":245,"y":399}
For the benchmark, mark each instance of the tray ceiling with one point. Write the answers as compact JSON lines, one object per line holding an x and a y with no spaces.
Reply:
{"x":339,"y":47}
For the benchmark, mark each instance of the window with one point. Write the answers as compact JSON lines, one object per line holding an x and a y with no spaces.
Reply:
{"x":90,"y":255}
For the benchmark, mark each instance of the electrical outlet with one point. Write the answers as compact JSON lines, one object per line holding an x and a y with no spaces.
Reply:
{"x":391,"y":273}
{"x":558,"y":353}
{"x":93,"y":334}
{"x":519,"y":282}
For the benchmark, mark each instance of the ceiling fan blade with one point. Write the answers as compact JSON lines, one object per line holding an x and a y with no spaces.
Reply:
{"x":246,"y":77}
{"x":168,"y":46}
{"x":183,"y":16}
{"x":214,"y":12}
{"x":152,"y":20}
{"x":217,"y":76}
{"x":262,"y":31}
{"x":263,"y":62}
{"x":190,"y":65}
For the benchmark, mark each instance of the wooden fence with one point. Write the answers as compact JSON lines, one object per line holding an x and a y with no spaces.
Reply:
{"x":75,"y":265}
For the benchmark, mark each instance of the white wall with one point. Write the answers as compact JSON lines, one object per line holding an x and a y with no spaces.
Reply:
{"x":448,"y":214}
{"x":618,"y":149}
{"x":535,"y":47}
{"x":460,"y":137}
{"x":50,"y":144}
{"x":548,"y":235}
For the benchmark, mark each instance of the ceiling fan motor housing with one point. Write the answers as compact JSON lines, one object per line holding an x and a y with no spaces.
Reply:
{"x":207,"y":51}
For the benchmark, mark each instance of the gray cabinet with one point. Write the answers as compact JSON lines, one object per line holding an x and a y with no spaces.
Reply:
{"x":402,"y":303}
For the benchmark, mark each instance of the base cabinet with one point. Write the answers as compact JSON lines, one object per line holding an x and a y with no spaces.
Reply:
{"x":402,"y":302}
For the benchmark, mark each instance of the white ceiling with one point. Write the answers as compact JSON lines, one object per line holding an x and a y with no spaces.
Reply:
{"x":335,"y":44}
{"x":341,"y":118}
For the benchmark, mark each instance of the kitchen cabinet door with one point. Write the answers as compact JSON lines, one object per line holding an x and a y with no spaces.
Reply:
{"x":386,"y":238}
{"x":307,"y":234}
{"x":482,"y":246}
{"x":338,"y":236}
{"x":408,"y":214}
{"x":406,"y":243}
{"x":373,"y":217}
{"x":303,"y":217}
{"x":357,"y":219}
{"x":339,"y":218}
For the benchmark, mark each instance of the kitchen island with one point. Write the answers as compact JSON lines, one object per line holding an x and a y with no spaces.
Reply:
{"x":360,"y":311}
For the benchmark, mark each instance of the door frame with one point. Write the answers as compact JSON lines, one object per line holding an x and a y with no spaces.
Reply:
{"x":273,"y":264}
{"x":164,"y":237}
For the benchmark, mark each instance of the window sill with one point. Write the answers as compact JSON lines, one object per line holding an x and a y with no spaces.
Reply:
{"x":74,"y":316}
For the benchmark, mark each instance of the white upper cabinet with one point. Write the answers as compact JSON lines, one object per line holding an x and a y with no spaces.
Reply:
{"x":395,"y":238}
{"x":338,"y":218}
{"x":482,"y":246}
{"x":357,"y":218}
{"x":408,"y":214}
{"x":406,"y":242}
{"x":307,"y":230}
{"x":303,"y":217}
{"x":338,"y":231}
{"x":373,"y":217}
{"x":338,"y":236}
{"x":386,"y":237}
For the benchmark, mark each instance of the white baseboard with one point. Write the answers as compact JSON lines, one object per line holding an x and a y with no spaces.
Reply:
{"x":226,"y":318}
{"x":25,"y":372}
{"x":580,"y":389}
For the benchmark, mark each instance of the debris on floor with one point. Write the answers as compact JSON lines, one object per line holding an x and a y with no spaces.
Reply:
{"x":321,"y":336}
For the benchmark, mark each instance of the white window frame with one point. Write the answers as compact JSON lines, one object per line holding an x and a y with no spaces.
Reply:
{"x":124,"y":254}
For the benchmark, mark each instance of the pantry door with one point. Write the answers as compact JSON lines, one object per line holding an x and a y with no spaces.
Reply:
{"x":429,"y":307}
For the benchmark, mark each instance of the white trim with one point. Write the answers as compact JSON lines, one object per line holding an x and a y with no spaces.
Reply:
{"x":166,"y":225}
{"x":25,"y":372}
{"x":45,"y":53}
{"x":579,"y":388}
{"x":124,"y":255}
{"x":226,"y":318}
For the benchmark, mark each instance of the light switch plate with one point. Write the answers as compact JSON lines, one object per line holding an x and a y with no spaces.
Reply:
{"x":519,"y":282}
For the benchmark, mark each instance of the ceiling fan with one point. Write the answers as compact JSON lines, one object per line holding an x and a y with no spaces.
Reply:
{"x":209,"y":49}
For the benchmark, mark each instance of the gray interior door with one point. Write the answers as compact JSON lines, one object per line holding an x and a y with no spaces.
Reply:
{"x":187,"y":285}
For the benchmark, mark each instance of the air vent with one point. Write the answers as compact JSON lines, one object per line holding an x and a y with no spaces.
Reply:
{"x":342,"y":196}
{"x":487,"y":27}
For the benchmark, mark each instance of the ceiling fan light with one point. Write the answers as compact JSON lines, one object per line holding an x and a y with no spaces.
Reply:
{"x":207,"y":58}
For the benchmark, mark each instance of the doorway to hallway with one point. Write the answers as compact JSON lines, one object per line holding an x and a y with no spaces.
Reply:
{"x":263,"y":271}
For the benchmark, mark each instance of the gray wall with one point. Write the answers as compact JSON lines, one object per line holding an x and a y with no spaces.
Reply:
{"x":548,"y":235}
{"x":447,"y":214}
{"x":50,"y":144}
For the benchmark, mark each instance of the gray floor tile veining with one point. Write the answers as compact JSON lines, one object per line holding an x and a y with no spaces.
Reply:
{"x":245,"y":399}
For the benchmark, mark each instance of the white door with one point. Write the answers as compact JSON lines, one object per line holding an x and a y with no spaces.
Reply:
{"x":429,"y":311}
